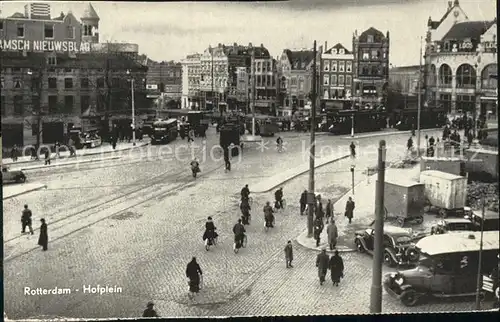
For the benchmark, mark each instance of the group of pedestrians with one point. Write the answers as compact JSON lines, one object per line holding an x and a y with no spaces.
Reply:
{"x":27,"y":222}
{"x":335,"y":264}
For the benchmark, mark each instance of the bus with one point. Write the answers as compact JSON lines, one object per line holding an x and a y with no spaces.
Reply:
{"x":198,"y":120}
{"x":340,"y":122}
{"x":265,"y":125}
{"x":164,"y":131}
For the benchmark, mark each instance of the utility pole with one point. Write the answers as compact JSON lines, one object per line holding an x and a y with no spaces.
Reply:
{"x":252,"y":71}
{"x":312,"y":152}
{"x":376,"y":289}
{"x":133,"y":111}
{"x":479,"y":266}
{"x":419,"y":102}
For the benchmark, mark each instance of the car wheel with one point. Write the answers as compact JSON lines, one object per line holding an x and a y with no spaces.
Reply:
{"x":409,"y":297}
{"x":412,"y":254}
{"x":359,"y":246}
{"x":433,"y":231}
{"x":388,"y":259}
{"x":419,"y":220}
{"x":443,"y":213}
{"x":20,"y":179}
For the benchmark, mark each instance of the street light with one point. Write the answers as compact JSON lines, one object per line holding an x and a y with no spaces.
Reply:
{"x":352,"y":177}
{"x":352,"y":105}
{"x":133,"y":107}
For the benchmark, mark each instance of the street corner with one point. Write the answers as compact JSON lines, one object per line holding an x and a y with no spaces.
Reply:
{"x":14,"y":190}
{"x":310,"y":243}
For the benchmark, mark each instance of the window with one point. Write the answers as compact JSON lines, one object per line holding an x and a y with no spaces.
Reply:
{"x":20,"y":30}
{"x":35,"y":102}
{"x":52,"y":82}
{"x":465,"y":103}
{"x":100,"y":82}
{"x":365,"y":71}
{"x":487,"y":81}
{"x":18,"y":83}
{"x":341,"y":51}
{"x":68,"y":83}
{"x":48,"y":31}
{"x":369,"y":39}
{"x":348,"y":66}
{"x":34,"y":129}
{"x":466,"y":76}
{"x":18,"y":105}
{"x":70,"y":32}
{"x":68,"y":104}
{"x":365,"y":55}
{"x":445,"y":101}
{"x":115,"y":82}
{"x":301,"y":103}
{"x":16,"y":69}
{"x":84,"y":103}
{"x":333,"y":81}
{"x":52,"y":104}
{"x":301,"y":83}
{"x":326,"y":80}
{"x":84,"y":82}
{"x":52,"y":61}
{"x":2,"y":83}
{"x":268,"y":80}
{"x":445,"y":75}
{"x":334,"y":66}
{"x":326,"y":65}
{"x":2,"y":105}
{"x":432,"y":76}
{"x":341,"y":80}
{"x":341,"y":66}
{"x":68,"y":70}
{"x":294,"y":81}
{"x":348,"y":80}
{"x":374,"y":70}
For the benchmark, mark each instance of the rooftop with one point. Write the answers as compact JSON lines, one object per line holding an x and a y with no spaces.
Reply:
{"x":299,"y":60}
{"x":90,"y":13}
{"x":468,"y":30}
{"x":458,"y":242}
{"x":337,"y":47}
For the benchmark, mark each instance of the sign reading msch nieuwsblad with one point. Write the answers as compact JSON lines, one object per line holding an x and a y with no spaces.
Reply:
{"x":44,"y":45}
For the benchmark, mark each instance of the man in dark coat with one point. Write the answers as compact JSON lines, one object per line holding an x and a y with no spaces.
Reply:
{"x":26,"y":220}
{"x":193,"y":272}
{"x":289,"y":254}
{"x":47,"y":156}
{"x":336,"y":266}
{"x":318,"y":229}
{"x":349,"y":209}
{"x":43,"y":240}
{"x":303,"y":202}
{"x":353,"y":150}
{"x":329,"y":210}
{"x":149,"y":312}
{"x":245,"y":211}
{"x":13,"y":153}
{"x":319,"y":208}
{"x":322,"y":262}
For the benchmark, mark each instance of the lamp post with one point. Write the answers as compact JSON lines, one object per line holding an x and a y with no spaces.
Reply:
{"x":479,"y":265}
{"x":133,"y":107}
{"x":355,"y":81}
{"x":352,"y":177}
{"x":39,"y":105}
{"x":311,"y":197}
{"x":419,"y":102}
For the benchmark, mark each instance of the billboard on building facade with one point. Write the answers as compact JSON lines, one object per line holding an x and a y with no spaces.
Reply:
{"x":43,"y":45}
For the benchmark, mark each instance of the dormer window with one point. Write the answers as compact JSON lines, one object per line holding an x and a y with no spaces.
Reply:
{"x":369,"y":39}
{"x":342,"y":51}
{"x":52,"y":60}
{"x":334,"y":51}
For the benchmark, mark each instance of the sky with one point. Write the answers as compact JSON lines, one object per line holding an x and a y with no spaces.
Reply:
{"x":172,"y":30}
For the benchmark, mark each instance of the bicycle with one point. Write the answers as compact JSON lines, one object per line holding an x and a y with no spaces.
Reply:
{"x":240,"y":244}
{"x":280,"y":208}
{"x":267,"y":225}
{"x":279,"y":148}
{"x":210,"y":242}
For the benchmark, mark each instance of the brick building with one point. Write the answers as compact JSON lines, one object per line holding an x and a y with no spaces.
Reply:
{"x":165,"y":77}
{"x":460,"y":58}
{"x":336,"y":77}
{"x":191,"y":79}
{"x":265,"y":78}
{"x":371,"y":67}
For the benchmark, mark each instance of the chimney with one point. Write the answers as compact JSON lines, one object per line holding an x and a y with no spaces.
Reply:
{"x":326,"y":46}
{"x":250,"y":44}
{"x":220,"y":45}
{"x":450,"y":4}
{"x":235,"y":44}
{"x":61,"y":15}
{"x":261,"y":45}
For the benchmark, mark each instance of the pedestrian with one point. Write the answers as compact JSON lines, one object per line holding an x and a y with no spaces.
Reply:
{"x":349,"y":209}
{"x":33,"y":153}
{"x":289,"y":254}
{"x":13,"y":153}
{"x":149,"y":312}
{"x":409,"y":144}
{"x":26,"y":220}
{"x":194,"y":273}
{"x":336,"y":266}
{"x":303,"y":202}
{"x":319,"y":208}
{"x":470,"y":138}
{"x":318,"y":229}
{"x":57,"y":146}
{"x":227,"y":160}
{"x":332,"y":233}
{"x":322,"y":262}
{"x":191,"y":135}
{"x":47,"y":157}
{"x":329,"y":210}
{"x":43,"y":240}
{"x":353,"y":150}
{"x":431,"y":141}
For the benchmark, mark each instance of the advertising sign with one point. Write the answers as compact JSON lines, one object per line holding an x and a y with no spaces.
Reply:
{"x":43,"y":45}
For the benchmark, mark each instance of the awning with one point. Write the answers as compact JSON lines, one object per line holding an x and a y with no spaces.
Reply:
{"x":489,"y":98}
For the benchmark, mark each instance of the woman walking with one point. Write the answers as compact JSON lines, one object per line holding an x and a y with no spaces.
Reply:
{"x":336,"y":268}
{"x":193,"y":272}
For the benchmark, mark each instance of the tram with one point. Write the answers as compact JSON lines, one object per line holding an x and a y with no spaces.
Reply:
{"x":406,"y":119}
{"x":164,"y":131}
{"x":265,"y":125}
{"x":198,"y":120}
{"x":340,"y":121}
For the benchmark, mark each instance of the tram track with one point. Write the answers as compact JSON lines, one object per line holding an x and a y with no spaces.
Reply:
{"x":83,"y":215}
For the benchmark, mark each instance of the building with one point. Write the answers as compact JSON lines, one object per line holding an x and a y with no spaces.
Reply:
{"x":265,"y":86}
{"x":242,"y":93}
{"x":164,"y":78}
{"x":295,"y":80}
{"x":214,"y":79}
{"x":191,"y":79}
{"x":52,"y":79}
{"x":336,"y":77}
{"x":460,"y":57}
{"x":404,"y":79}
{"x":371,"y":67}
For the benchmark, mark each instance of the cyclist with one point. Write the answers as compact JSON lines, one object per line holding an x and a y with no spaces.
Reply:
{"x":195,"y":166}
{"x":239,"y":234}
{"x":279,"y":144}
{"x":278,"y":196}
{"x":245,"y":193}
{"x":210,"y":228}
{"x":245,"y":211}
{"x":268,"y":215}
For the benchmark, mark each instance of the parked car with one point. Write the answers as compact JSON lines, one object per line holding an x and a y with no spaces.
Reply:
{"x":452,"y":225}
{"x":491,"y":220}
{"x":399,"y":246}
{"x":12,"y":176}
{"x":448,"y":267}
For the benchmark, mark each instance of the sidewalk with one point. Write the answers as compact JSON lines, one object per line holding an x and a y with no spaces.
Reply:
{"x":61,"y":164}
{"x":363,"y":213}
{"x":14,"y":190}
{"x":287,"y":175}
{"x":384,"y":132}
{"x":103,"y":149}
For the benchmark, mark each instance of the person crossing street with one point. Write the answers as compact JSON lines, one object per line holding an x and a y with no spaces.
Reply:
{"x":322,"y":261}
{"x":26,"y":220}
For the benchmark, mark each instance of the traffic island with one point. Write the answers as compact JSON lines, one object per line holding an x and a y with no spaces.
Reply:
{"x":14,"y":190}
{"x":61,"y":164}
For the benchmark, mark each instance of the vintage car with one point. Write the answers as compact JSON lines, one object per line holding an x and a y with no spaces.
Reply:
{"x":398,"y":245}
{"x":452,"y":225}
{"x":448,"y":267}
{"x":490,"y":222}
{"x":12,"y":176}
